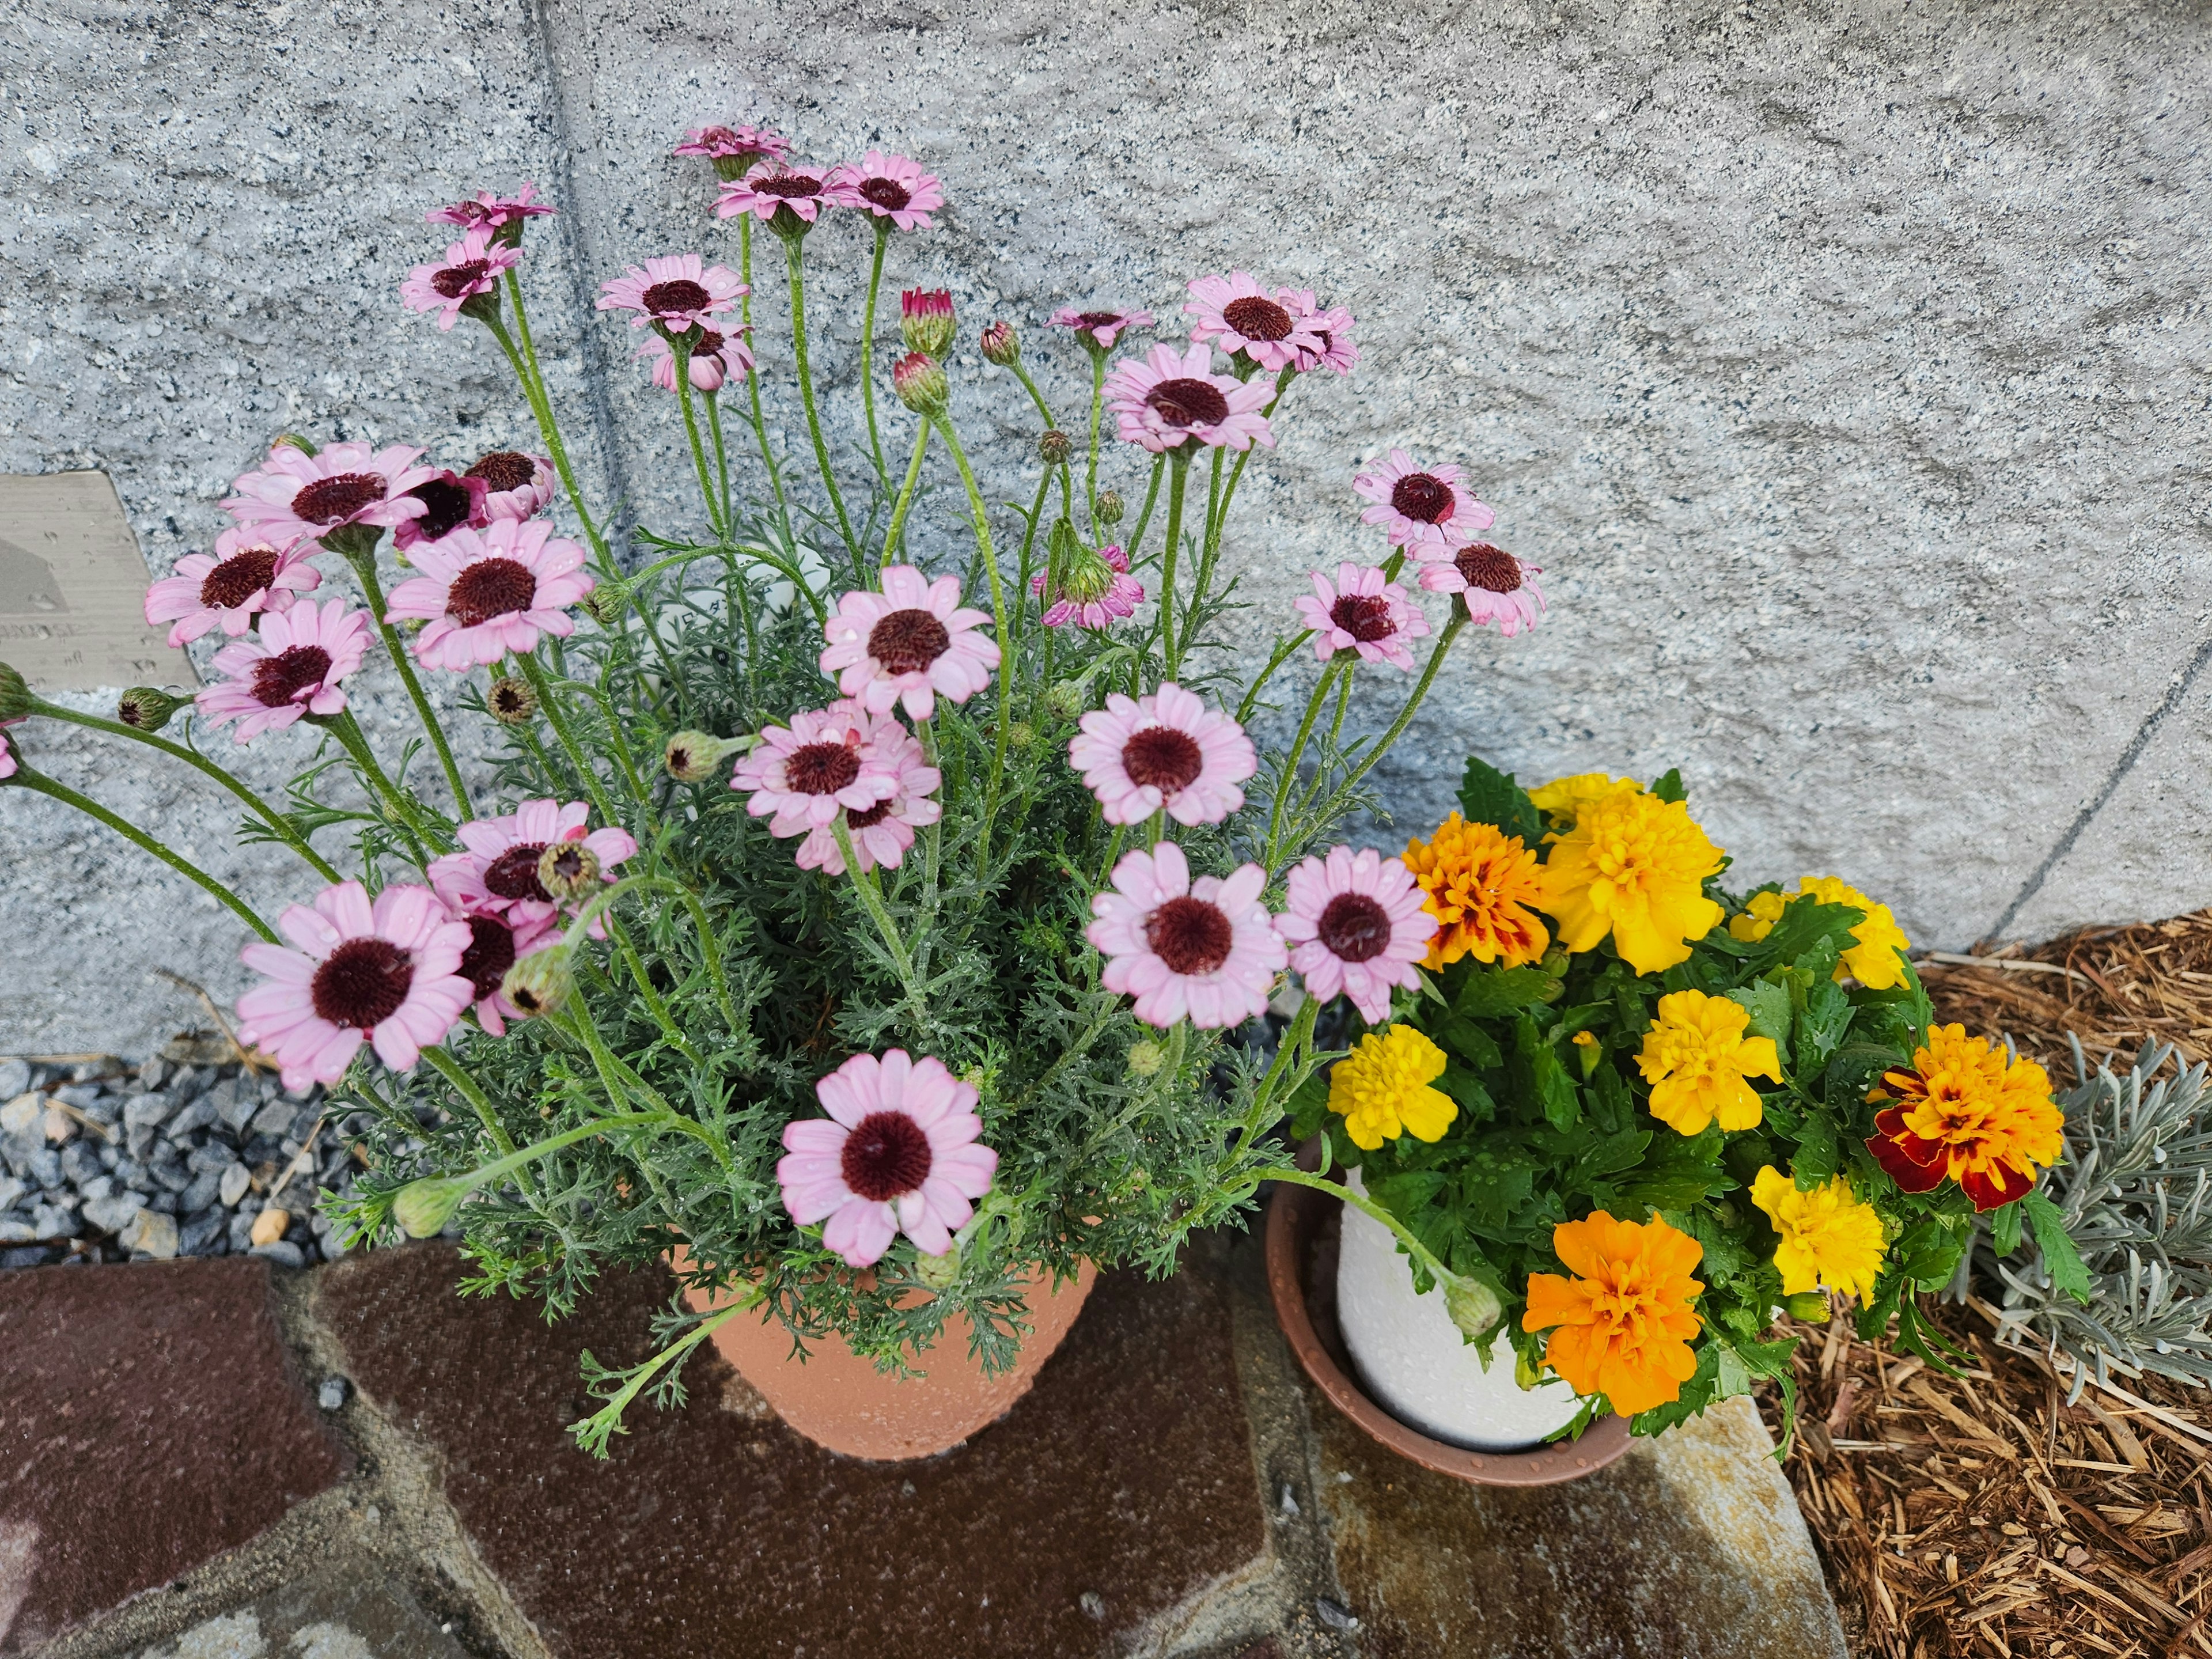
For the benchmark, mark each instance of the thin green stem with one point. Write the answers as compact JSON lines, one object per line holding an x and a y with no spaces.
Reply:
{"x":1281,"y":654}
{"x":680,"y":349}
{"x":1412,"y":703}
{"x":871,"y":899}
{"x":555,"y":718}
{"x":752,"y":381}
{"x":525,"y":360}
{"x":1179,"y":465}
{"x":465,"y":1086}
{"x":1023,"y":572}
{"x":1091,"y":465}
{"x":364,"y":570}
{"x":1366,"y":1206}
{"x":1044,"y":409}
{"x":592,"y":1433}
{"x":990,"y":562}
{"x":721,"y":458}
{"x":405,"y":811}
{"x":906,"y":494}
{"x":868,"y":345}
{"x":791,"y":247}
{"x":1289,"y":778}
{"x":1145,"y":518}
{"x":653,"y":1003}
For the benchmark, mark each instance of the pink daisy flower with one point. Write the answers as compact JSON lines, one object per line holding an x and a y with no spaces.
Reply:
{"x":898,"y":1153}
{"x":1206,"y":948}
{"x":734,"y":149}
{"x":492,"y":212}
{"x":1337,"y":351}
{"x":7,"y":749}
{"x":1166,"y":751}
{"x":1428,"y":513}
{"x":1362,"y":612}
{"x":486,"y":595}
{"x":471,"y":268}
{"x":1099,"y":330}
{"x":496,"y":943}
{"x":383,"y":974}
{"x":1493,"y":586}
{"x":715,"y":357}
{"x":805,"y":192}
{"x":246,"y":576}
{"x":451,"y":502}
{"x":1166,"y":396}
{"x":881,"y":833}
{"x":296,"y":496}
{"x":291,"y":669}
{"x":678,"y":291}
{"x":890,"y":187}
{"x":495,"y":871}
{"x":1239,"y":315}
{"x":1356,"y":928}
{"x":910,"y":643}
{"x":824,"y":762}
{"x":516,"y":485}
{"x":1093,"y":594}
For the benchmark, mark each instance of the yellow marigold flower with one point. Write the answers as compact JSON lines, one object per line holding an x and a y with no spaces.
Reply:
{"x":1476,"y":880}
{"x":1633,"y":867}
{"x":1563,"y":800}
{"x":1381,"y":1088}
{"x":1696,"y":1058}
{"x":1964,"y":1111}
{"x":1872,"y":959}
{"x":1623,"y":1325}
{"x":1828,"y":1237}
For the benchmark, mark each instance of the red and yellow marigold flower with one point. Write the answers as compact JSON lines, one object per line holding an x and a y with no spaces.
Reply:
{"x":1633,"y":867}
{"x":1966,"y":1112}
{"x":1872,"y":957}
{"x":1696,"y":1058}
{"x":1480,"y":884}
{"x":1623,"y":1325}
{"x":1828,"y":1236}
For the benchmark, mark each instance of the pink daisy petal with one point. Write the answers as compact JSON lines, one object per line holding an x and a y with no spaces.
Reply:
{"x":717,"y":356}
{"x":471,"y":270}
{"x":1167,"y":750}
{"x":1273,"y":328}
{"x":1099,"y":330}
{"x":247,"y":574}
{"x":1363,"y":612}
{"x":485,"y":595}
{"x":678,"y":291}
{"x":892,"y":187}
{"x":291,"y":669}
{"x":1494,"y":587}
{"x":802,"y":192}
{"x":1356,"y":927}
{"x":1167,"y":396}
{"x":294,"y":496}
{"x":910,"y":643}
{"x":1426,"y":510}
{"x":1207,"y":950}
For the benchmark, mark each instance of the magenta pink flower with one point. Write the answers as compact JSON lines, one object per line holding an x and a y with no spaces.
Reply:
{"x":496,"y":943}
{"x":516,"y":485}
{"x":911,"y":643}
{"x":384,"y":974}
{"x":486,"y":595}
{"x":805,"y":192}
{"x":678,"y":291}
{"x":715,"y":357}
{"x":471,"y":268}
{"x":1094,"y":593}
{"x":823,"y":762}
{"x":295,"y":495}
{"x":1168,"y":750}
{"x":492,"y":212}
{"x":1428,"y":513}
{"x":890,"y":187}
{"x":741,"y":146}
{"x":881,"y":833}
{"x":1237,"y":314}
{"x":247,"y":576}
{"x":1362,"y":612}
{"x":291,"y":669}
{"x":1493,"y":586}
{"x":899,"y":1153}
{"x":7,"y":749}
{"x":1099,"y":330}
{"x":495,"y":871}
{"x":1337,"y":351}
{"x":1206,"y":948}
{"x":1166,"y":396}
{"x":451,"y":502}
{"x":1356,"y":928}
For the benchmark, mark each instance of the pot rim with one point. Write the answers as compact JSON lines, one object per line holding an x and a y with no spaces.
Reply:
{"x":1295,"y":1216}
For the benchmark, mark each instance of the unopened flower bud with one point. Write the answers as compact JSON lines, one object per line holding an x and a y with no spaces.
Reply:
{"x":539,"y":982}
{"x":1525,"y":1376}
{"x":940,"y":1273}
{"x":1145,"y":1058}
{"x":1001,"y":346}
{"x":603,"y":604}
{"x":1473,"y":1307}
{"x":926,"y":322}
{"x":568,"y":870}
{"x":15,"y":695}
{"x":695,"y":756}
{"x":512,"y":702}
{"x":143,"y":708}
{"x":1055,"y":447}
{"x":1109,"y":506}
{"x":1020,"y":735}
{"x":423,"y":1208}
{"x":1810,"y":1306}
{"x":1067,"y":699}
{"x":294,"y":441}
{"x":919,"y":384}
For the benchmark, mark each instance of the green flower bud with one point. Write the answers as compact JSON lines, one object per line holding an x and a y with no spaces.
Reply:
{"x":1525,"y":1376}
{"x":1001,"y":345}
{"x":15,"y":695}
{"x":925,"y":321}
{"x":940,"y":1273}
{"x":1055,"y":447}
{"x":1145,"y":1058}
{"x":1109,"y":506}
{"x":1020,"y":735}
{"x":1066,"y":699}
{"x":540,"y":983}
{"x":603,"y":604}
{"x":143,"y":708}
{"x":1810,"y":1306}
{"x":568,"y":870}
{"x":695,"y":756}
{"x":423,"y":1208}
{"x":512,"y":702}
{"x":1473,"y":1307}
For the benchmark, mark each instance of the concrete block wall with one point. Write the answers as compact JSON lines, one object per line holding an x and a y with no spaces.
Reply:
{"x":1843,"y":364}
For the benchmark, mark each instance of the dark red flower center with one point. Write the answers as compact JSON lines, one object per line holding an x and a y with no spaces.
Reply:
{"x":886,"y":1155}
{"x":504,"y":470}
{"x":1099,"y":318}
{"x":363,"y":983}
{"x":1422,"y":496}
{"x":489,"y":955}
{"x":1365,"y":616}
{"x":670,"y":298}
{"x":280,"y":679}
{"x":239,"y":578}
{"x":788,"y":185}
{"x":488,"y":588}
{"x":707,"y":344}
{"x":1256,"y":319}
{"x":868,"y":817}
{"x":1189,"y":402}
{"x":446,"y":507}
{"x":888,"y":194}
{"x":1189,"y":935}
{"x":514,"y":873}
{"x":328,"y":500}
{"x":1355,"y":927}
{"x":821,"y":768}
{"x":908,"y":641}
{"x":1492,"y":569}
{"x":458,"y":282}
{"x":1163,"y":758}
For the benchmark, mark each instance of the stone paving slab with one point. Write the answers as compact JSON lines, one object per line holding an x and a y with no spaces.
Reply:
{"x":150,"y":1421}
{"x":340,"y":1614}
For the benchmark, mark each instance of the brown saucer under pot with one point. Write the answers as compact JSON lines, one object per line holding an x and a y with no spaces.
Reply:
{"x":1302,"y":1227}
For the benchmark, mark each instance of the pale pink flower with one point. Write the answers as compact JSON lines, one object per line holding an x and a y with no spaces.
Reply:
{"x":824,"y":762}
{"x":805,"y":191}
{"x":471,"y":268}
{"x":496,"y":943}
{"x":1356,"y":928}
{"x":1099,"y":330}
{"x":7,"y":749}
{"x":450,"y":500}
{"x":911,"y":643}
{"x":1094,"y":593}
{"x":1167,"y":396}
{"x":1361,"y":612}
{"x":382,"y":973}
{"x":1493,"y":586}
{"x":1168,"y":750}
{"x":1237,"y":314}
{"x":295,"y":495}
{"x":1206,"y":948}
{"x":715,"y":357}
{"x":892,"y":187}
{"x":740,"y":144}
{"x":495,"y":871}
{"x":1428,"y":512}
{"x":516,"y":485}
{"x":1337,"y":351}
{"x":898,"y":1153}
{"x":246,"y":576}
{"x":492,"y":212}
{"x":881,"y":833}
{"x":484,"y":595}
{"x":290,"y":669}
{"x":678,"y":291}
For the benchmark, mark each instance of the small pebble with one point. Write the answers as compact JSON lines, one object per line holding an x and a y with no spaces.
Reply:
{"x":1334,"y":1615}
{"x":151,"y":1233}
{"x":1092,"y":1603}
{"x":14,"y":1077}
{"x":232,"y":1183}
{"x":283,"y":1252}
{"x":270,"y":1225}
{"x":332,"y":1393}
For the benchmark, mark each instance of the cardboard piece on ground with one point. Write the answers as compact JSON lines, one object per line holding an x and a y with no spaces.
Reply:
{"x":73,"y":589}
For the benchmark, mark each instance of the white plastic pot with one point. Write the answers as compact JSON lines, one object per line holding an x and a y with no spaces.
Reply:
{"x":1413,"y":1360}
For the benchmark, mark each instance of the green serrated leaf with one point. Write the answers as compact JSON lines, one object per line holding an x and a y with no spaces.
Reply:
{"x":1553,"y":1088}
{"x":1488,"y":993}
{"x":1467,"y":1092}
{"x":1467,"y":1040}
{"x":1488,"y":795}
{"x":1818,"y":1155}
{"x":1612,"y":1107}
{"x":1805,"y":924}
{"x":1768,"y":1005}
{"x":1824,"y":1015}
{"x":2060,"y":1259}
{"x":2004,"y":1230}
{"x":1668,"y":787}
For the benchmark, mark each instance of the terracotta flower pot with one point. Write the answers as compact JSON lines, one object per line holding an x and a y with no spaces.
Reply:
{"x":842,"y":1401}
{"x":1303,"y":1232}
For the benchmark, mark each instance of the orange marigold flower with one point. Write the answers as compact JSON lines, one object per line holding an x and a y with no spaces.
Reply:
{"x":1478,"y":883}
{"x":1623,"y":1325}
{"x":1966,"y":1111}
